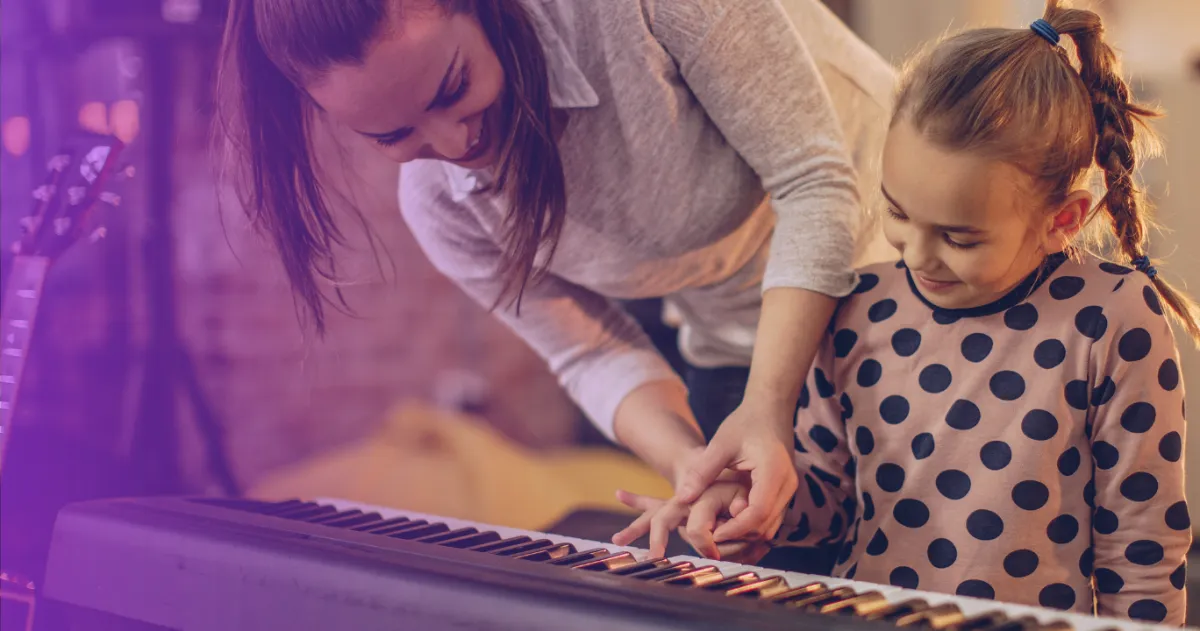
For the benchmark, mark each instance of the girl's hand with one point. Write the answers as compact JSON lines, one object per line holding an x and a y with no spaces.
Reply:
{"x":755,"y":440}
{"x":720,"y":502}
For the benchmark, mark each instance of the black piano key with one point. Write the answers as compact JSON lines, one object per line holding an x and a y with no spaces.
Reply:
{"x":445,"y":536}
{"x":858,"y":605}
{"x":694,"y":578}
{"x":538,"y":544}
{"x":304,"y":514}
{"x":288,"y":507}
{"x":732,"y":581}
{"x":579,"y":557}
{"x":649,"y":564}
{"x":410,"y":525}
{"x":416,"y":533}
{"x":674,"y":569}
{"x":820,"y":598}
{"x":894,"y":611}
{"x":604,"y":562}
{"x":380,"y":525}
{"x":762,"y":588}
{"x":334,"y":516}
{"x":354,"y":520}
{"x":798,"y":593}
{"x":472,"y":541}
{"x":982,"y":622}
{"x":502,"y":544}
{"x":1026,"y":623}
{"x":547,"y":554}
{"x":938,"y":617}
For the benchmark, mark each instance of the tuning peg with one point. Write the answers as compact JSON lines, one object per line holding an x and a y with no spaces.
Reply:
{"x":62,"y":225}
{"x":97,"y":234}
{"x":112,"y":199}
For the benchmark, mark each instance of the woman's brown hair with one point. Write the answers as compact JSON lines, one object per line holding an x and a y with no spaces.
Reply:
{"x":273,"y":48}
{"x":1014,"y":95}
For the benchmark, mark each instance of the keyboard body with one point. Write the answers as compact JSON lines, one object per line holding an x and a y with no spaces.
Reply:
{"x":198,"y":564}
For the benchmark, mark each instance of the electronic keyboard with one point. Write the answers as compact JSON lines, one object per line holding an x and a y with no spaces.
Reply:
{"x":203,"y":564}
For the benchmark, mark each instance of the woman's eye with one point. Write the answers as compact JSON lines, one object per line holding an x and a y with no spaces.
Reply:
{"x":957,"y":245}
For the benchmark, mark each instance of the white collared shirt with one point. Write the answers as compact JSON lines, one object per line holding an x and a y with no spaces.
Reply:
{"x":710,"y":154}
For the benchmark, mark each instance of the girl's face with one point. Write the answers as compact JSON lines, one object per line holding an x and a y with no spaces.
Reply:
{"x":968,"y":228}
{"x":429,"y":87}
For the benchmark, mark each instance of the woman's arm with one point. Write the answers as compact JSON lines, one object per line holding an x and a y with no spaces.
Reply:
{"x":599,"y":353}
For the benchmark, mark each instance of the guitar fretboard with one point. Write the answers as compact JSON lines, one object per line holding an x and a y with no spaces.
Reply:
{"x":16,"y":330}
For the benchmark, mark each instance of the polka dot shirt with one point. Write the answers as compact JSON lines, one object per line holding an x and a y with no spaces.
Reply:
{"x":1028,"y":451}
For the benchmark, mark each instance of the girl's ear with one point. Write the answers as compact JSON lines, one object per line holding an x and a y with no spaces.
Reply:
{"x":1068,"y":219}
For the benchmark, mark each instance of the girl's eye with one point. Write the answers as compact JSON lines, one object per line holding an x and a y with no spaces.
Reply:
{"x":895,"y":214}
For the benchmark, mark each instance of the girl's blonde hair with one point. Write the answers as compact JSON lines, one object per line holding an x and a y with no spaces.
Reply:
{"x":1014,"y":95}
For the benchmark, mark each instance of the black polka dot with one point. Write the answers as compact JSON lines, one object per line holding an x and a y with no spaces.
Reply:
{"x":889,"y":477}
{"x":869,"y":373}
{"x":942,"y":553}
{"x":1149,"y":610}
{"x":1057,"y":596}
{"x":1139,"y":487}
{"x":905,"y":577}
{"x":1086,"y":561}
{"x":1144,"y":552}
{"x":824,"y":438}
{"x":985,"y":525}
{"x":797,"y":445}
{"x":878,"y":544}
{"x":1090,"y":321}
{"x":826,"y":476}
{"x":1049,"y":354}
{"x":1021,"y":563}
{"x":1105,"y":521}
{"x":852,"y":571}
{"x":1119,"y":284}
{"x":802,"y":530}
{"x":911,"y":513}
{"x":843,"y":342}
{"x":1177,"y":517}
{"x":963,"y":415}
{"x":851,"y":468}
{"x":1113,"y":268}
{"x":881,"y":310}
{"x":1108,"y":581}
{"x":1065,"y":287}
{"x":1007,"y":385}
{"x":1168,"y":375}
{"x":1077,"y":394}
{"x":847,"y":407}
{"x":1152,"y":301}
{"x":954,"y":484}
{"x":814,"y":491}
{"x":906,"y":342}
{"x":1021,"y":317}
{"x":1179,"y":576}
{"x":900,"y":265}
{"x":1089,"y":493}
{"x":1106,"y":455}
{"x":1063,"y":529}
{"x":824,"y":386}
{"x":1171,"y":447}
{"x":1068,"y":462}
{"x":866,"y":282}
{"x":1030,"y":495}
{"x":868,"y":507}
{"x":922,"y":446}
{"x":1104,"y":392}
{"x":894,"y":409}
{"x":804,"y":399}
{"x":976,"y":347}
{"x":1039,"y":425}
{"x":995,"y":455}
{"x":864,"y":440}
{"x":1138,"y":417}
{"x":975,"y":589}
{"x":944,"y":317}
{"x":1134,"y":345}
{"x":934,"y":378}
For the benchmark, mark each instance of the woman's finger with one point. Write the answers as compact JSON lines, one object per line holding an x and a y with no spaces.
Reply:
{"x":703,"y":471}
{"x":701,"y":523}
{"x":639,"y":502}
{"x":766,"y":485}
{"x":662,"y":523}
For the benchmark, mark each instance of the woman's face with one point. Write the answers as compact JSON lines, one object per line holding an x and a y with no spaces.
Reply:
{"x":429,"y":88}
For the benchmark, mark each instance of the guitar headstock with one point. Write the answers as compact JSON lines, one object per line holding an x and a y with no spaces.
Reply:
{"x":77,"y":178}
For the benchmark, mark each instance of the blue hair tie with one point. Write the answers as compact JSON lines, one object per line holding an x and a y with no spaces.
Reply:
{"x":1142,"y":264}
{"x":1043,"y":28}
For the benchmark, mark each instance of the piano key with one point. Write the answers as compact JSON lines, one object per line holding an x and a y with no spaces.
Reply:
{"x":408,"y":525}
{"x":817,"y":599}
{"x":695,"y":577}
{"x":581,"y":557}
{"x":502,"y":544}
{"x":539,"y":544}
{"x":895,"y":610}
{"x":335,"y":516}
{"x":410,"y":534}
{"x":860,"y":605}
{"x":732,"y":581}
{"x":353,"y":520}
{"x":981,"y":622}
{"x":675,"y":569}
{"x":303,"y":513}
{"x":446,"y":536}
{"x":649,"y":564}
{"x":381,"y":525}
{"x":472,"y":541}
{"x":545,"y":555}
{"x":939,"y":617}
{"x":762,"y":588}
{"x":603,"y":563}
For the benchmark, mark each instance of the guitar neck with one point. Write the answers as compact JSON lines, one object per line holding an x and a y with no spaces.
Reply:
{"x":16,"y":330}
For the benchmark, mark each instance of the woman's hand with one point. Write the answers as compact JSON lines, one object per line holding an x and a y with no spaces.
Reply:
{"x":724,"y":499}
{"x":757,"y":442}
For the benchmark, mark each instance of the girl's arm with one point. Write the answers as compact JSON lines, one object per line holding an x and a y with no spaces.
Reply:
{"x":1141,"y":529}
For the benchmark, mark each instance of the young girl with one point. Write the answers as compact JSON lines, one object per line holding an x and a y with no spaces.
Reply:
{"x":999,"y":415}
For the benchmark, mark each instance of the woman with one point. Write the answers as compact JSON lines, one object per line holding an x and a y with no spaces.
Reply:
{"x":560,"y":154}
